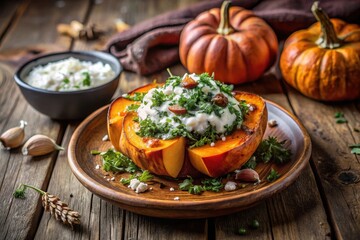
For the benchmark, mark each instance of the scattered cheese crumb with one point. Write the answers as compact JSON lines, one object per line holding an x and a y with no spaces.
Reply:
{"x":172,"y":189}
{"x":251,"y":107}
{"x":272,"y":123}
{"x":108,"y":179}
{"x":212,"y":144}
{"x":150,"y":188}
{"x":230,"y":186}
{"x":104,"y":176}
{"x":142,"y":187}
{"x":112,"y":179}
{"x":105,"y":138}
{"x":134,"y":183}
{"x":176,"y":198}
{"x":125,"y":95}
{"x":223,"y":139}
{"x":97,"y":166}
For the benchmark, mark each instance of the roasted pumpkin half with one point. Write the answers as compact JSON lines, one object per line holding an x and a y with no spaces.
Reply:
{"x":179,"y":156}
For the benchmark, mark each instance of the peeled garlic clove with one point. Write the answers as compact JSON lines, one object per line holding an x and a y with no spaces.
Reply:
{"x":13,"y":137}
{"x":247,"y":175}
{"x":39,"y":145}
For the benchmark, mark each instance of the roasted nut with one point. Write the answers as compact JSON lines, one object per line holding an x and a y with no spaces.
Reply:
{"x":178,"y":110}
{"x":220,"y":100}
{"x":188,"y":82}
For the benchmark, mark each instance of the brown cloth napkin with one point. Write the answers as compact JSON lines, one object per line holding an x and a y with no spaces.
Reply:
{"x":152,"y":45}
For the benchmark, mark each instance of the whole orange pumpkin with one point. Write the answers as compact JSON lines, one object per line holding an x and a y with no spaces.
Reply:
{"x":323,"y":61}
{"x":234,"y":44}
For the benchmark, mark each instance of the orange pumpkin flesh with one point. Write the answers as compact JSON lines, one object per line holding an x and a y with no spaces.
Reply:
{"x":172,"y":158}
{"x":323,"y":61}
{"x":226,"y":156}
{"x":234,"y":44}
{"x":116,"y":113}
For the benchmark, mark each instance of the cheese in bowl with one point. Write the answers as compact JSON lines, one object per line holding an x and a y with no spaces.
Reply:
{"x":70,"y":74}
{"x":189,"y":125}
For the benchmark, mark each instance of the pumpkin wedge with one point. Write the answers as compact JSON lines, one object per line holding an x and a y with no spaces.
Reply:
{"x":162,"y":157}
{"x":226,"y":156}
{"x":116,"y":113}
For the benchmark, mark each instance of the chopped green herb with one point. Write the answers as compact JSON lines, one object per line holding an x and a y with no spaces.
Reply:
{"x":143,"y":177}
{"x":116,"y":162}
{"x":254,"y":224}
{"x":138,"y":96}
{"x":66,"y":81}
{"x":212,"y":184}
{"x":273,"y":175}
{"x":355,"y":149}
{"x":340,"y":118}
{"x":251,"y":163}
{"x":242,"y":231}
{"x":272,"y":149}
{"x":132,"y":107}
{"x":187,"y":185}
{"x":86,"y":81}
{"x":209,"y":184}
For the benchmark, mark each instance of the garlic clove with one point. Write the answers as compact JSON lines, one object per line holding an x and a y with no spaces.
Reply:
{"x":13,"y":137}
{"x":247,"y":175}
{"x":39,"y":145}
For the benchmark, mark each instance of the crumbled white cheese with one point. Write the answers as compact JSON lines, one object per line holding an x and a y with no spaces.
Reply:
{"x":230,"y":186}
{"x":142,"y":187}
{"x":251,"y":107}
{"x":176,"y":198}
{"x":134,"y":183}
{"x":97,"y":166}
{"x":212,"y":144}
{"x":105,"y":138}
{"x":172,"y":189}
{"x":223,"y":139}
{"x":272,"y":123}
{"x":112,"y":179}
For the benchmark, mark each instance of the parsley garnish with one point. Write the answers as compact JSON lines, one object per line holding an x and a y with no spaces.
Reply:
{"x":273,"y":175}
{"x":66,"y":80}
{"x":138,"y":96}
{"x":143,"y":177}
{"x":210,"y":184}
{"x":355,"y":149}
{"x":132,"y":107}
{"x":340,"y":118}
{"x":272,"y":149}
{"x":86,"y":81}
{"x":116,"y":161}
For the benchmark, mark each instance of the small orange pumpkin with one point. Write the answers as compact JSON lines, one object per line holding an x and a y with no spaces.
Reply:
{"x":234,"y":44}
{"x":323,"y":61}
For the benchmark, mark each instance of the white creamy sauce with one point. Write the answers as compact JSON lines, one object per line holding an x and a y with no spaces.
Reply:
{"x":199,"y":122}
{"x":69,"y":75}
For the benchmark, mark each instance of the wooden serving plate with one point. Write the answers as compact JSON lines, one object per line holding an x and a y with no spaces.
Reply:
{"x":159,"y":202}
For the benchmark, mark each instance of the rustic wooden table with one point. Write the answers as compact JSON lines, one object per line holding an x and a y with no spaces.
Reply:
{"x":323,"y":203}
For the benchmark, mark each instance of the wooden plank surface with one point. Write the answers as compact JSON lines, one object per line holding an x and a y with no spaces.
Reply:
{"x":323,"y":203}
{"x":337,"y":169}
{"x":20,"y":218}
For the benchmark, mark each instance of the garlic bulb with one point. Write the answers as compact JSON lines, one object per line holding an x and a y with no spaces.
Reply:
{"x":39,"y":145}
{"x":13,"y":137}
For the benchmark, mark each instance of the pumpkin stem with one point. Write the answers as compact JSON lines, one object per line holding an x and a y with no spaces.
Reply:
{"x":328,"y":39}
{"x":224,"y":26}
